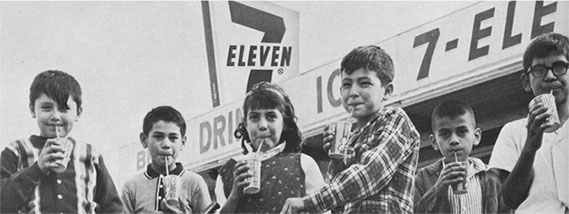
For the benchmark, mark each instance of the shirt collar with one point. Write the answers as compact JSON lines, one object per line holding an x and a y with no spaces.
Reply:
{"x":266,"y":154}
{"x":151,"y":173}
{"x":374,"y":118}
{"x":38,"y":141}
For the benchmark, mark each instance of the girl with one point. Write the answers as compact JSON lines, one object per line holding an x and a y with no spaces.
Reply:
{"x":285,"y":172}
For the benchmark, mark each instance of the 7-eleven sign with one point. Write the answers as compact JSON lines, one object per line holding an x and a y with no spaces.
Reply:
{"x":248,"y":42}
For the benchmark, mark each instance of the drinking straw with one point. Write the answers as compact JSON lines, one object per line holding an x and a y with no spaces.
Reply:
{"x":166,"y":163}
{"x":260,"y":145}
{"x":56,"y":131}
{"x":455,"y":158}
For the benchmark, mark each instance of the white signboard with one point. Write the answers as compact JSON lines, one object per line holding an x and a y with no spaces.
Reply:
{"x":249,"y":42}
{"x":467,"y":47}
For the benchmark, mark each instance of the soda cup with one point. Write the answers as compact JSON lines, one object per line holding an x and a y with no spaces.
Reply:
{"x":548,"y":100}
{"x":172,"y":187}
{"x":460,"y":187}
{"x":254,"y":182}
{"x":342,"y":130}
{"x":67,"y":147}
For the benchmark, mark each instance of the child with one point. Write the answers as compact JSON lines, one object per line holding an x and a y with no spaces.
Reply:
{"x":164,"y":135}
{"x":377,"y":173}
{"x":533,"y":164}
{"x":454,"y":134}
{"x":269,"y":120}
{"x":34,"y":176}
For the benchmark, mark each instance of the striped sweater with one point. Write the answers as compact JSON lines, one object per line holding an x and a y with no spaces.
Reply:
{"x":84,"y":187}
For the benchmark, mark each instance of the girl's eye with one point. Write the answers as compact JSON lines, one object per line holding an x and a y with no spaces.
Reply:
{"x":366,"y":83}
{"x":346,"y":84}
{"x":272,"y":117}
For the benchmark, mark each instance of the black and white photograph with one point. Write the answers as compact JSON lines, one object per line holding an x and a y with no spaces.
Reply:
{"x":284,"y":106}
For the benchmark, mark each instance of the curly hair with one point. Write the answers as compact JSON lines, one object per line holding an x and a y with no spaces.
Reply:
{"x":370,"y":57}
{"x":265,"y":95}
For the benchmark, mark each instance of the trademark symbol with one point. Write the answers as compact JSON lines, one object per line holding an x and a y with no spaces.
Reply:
{"x":281,"y":71}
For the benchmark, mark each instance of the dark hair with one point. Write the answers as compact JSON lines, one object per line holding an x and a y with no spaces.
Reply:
{"x":451,"y":109}
{"x":546,"y":45}
{"x":166,"y":114}
{"x":56,"y":85}
{"x":372,"y":58}
{"x":265,"y":95}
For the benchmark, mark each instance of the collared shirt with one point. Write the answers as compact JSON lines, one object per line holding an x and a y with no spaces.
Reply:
{"x":549,"y":191}
{"x":471,"y":201}
{"x":377,"y":173}
{"x":428,"y":200}
{"x":84,"y":187}
{"x":144,"y":192}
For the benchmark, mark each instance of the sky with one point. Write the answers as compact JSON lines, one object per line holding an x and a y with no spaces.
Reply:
{"x":129,"y":56}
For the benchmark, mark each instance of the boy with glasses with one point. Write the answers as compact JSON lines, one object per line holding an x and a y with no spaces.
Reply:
{"x":533,"y":163}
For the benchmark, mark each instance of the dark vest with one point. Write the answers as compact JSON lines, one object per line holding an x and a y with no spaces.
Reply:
{"x":281,"y":178}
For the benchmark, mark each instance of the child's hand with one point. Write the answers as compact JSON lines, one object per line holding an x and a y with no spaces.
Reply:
{"x":538,"y":115}
{"x":51,"y":152}
{"x":327,"y":138}
{"x":453,"y":173}
{"x":175,"y":206}
{"x":240,"y":176}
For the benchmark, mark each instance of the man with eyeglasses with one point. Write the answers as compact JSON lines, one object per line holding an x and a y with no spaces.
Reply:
{"x":535,"y":165}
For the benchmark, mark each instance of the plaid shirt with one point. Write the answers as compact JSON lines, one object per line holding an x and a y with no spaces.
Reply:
{"x":378,"y":170}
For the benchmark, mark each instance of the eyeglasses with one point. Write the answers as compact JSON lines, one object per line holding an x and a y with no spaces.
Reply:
{"x":558,"y":69}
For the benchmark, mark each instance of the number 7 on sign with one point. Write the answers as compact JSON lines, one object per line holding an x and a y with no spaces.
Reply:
{"x":430,"y":37}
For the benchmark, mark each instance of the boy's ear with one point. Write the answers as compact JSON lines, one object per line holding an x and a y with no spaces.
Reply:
{"x":433,"y":141}
{"x":526,"y":83}
{"x":184,"y":139}
{"x":143,"y":140}
{"x":79,"y":111}
{"x":32,"y":111}
{"x":477,"y":136}
{"x":388,"y":91}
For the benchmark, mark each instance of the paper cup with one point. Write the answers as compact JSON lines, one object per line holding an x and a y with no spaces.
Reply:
{"x":342,"y":130}
{"x":172,"y":187}
{"x":460,"y":187}
{"x":255,"y":181}
{"x":67,"y":149}
{"x":548,"y":100}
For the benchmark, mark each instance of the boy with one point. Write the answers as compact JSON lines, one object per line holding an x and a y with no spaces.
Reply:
{"x":377,"y":173}
{"x":34,"y":175}
{"x":164,"y":135}
{"x":533,"y":163}
{"x":454,"y":133}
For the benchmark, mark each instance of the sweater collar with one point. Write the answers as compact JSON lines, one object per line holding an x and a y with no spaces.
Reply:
{"x":39,"y":141}
{"x":151,"y":173}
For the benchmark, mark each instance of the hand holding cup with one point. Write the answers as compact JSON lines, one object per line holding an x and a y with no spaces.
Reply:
{"x":49,"y":155}
{"x":241,"y":177}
